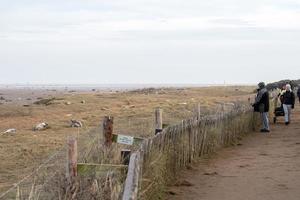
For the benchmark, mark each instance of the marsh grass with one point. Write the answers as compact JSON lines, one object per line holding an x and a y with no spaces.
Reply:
{"x":161,"y":165}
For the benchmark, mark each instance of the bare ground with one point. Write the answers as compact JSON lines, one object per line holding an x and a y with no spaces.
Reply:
{"x":263,"y":167}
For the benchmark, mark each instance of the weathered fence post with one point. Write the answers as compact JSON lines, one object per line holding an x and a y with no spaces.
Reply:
{"x":72,"y":158}
{"x":108,"y":130}
{"x":132,"y":181}
{"x":190,"y":143}
{"x":222,"y":108}
{"x":125,"y":156}
{"x":199,"y":111}
{"x":158,"y":121}
{"x":18,"y":196}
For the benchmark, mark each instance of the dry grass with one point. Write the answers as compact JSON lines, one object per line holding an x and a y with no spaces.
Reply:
{"x":180,"y":145}
{"x":133,"y":112}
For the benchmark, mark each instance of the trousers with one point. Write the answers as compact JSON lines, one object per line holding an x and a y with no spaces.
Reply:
{"x":287,"y":112}
{"x":265,"y":120}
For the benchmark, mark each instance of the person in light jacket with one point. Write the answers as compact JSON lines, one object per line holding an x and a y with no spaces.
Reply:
{"x":262,"y":105}
{"x":288,"y":99}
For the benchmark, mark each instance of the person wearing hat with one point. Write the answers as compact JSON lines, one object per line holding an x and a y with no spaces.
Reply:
{"x":262,"y":105}
{"x":288,"y":99}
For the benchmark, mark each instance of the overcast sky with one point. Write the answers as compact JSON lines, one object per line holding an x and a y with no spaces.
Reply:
{"x":149,"y":41}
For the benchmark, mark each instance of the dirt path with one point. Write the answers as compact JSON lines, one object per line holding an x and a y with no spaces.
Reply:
{"x":264,"y":167}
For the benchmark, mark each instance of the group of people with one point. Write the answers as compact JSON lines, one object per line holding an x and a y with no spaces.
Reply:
{"x":262,"y":105}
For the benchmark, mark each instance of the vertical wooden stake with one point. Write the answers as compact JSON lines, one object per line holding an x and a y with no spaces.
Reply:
{"x":199,"y":111}
{"x":158,"y":121}
{"x":18,"y":196}
{"x":223,"y":107}
{"x":72,"y":158}
{"x":132,"y":180}
{"x":108,"y":130}
{"x":190,"y":145}
{"x":125,"y":156}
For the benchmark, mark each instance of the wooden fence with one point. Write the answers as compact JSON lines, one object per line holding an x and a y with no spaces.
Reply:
{"x":160,"y":158}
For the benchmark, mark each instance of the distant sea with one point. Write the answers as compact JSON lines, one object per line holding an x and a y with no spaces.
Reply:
{"x":105,"y":87}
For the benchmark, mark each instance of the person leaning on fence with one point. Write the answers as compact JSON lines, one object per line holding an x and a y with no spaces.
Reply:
{"x":262,"y":105}
{"x":288,"y":99}
{"x":298,"y":92}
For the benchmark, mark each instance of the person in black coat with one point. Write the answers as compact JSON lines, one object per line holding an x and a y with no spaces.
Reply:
{"x":262,"y":105}
{"x":288,"y":100}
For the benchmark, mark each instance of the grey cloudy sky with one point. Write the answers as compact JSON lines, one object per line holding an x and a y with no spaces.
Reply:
{"x":149,"y":41}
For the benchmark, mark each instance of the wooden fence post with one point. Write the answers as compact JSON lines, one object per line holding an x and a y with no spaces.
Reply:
{"x":132,"y":181}
{"x":199,"y":111}
{"x":190,"y":144}
{"x":72,"y":158}
{"x":158,"y":121}
{"x":222,"y":108}
{"x":108,"y":130}
{"x":18,"y":196}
